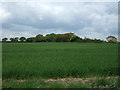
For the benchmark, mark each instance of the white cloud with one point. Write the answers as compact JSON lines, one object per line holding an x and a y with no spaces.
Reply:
{"x":94,"y":20}
{"x":4,"y":15}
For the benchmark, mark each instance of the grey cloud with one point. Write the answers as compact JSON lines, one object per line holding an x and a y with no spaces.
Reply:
{"x":62,"y":17}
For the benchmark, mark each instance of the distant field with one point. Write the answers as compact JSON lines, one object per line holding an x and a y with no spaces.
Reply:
{"x":58,"y":60}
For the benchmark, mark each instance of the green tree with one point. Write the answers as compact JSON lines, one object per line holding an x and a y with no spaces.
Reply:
{"x":31,"y":39}
{"x":50,"y":37}
{"x":4,"y":39}
{"x":16,"y":39}
{"x":111,"y":39}
{"x":22,"y":39}
{"x":64,"y":37}
{"x":76,"y":39}
{"x":68,"y":36}
{"x":39,"y":38}
{"x":59,"y":37}
{"x":98,"y":41}
{"x":12,"y":39}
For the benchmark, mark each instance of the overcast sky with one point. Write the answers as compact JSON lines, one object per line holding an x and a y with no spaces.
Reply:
{"x":93,"y":20}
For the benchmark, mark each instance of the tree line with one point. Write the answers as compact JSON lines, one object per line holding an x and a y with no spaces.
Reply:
{"x":67,"y":37}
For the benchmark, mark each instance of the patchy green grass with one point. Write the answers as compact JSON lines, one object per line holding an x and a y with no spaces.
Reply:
{"x":53,"y":60}
{"x":92,"y":82}
{"x":77,"y":85}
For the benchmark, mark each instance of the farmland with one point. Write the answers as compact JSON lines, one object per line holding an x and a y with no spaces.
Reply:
{"x":58,"y":60}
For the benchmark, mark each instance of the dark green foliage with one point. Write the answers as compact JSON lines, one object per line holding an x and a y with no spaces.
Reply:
{"x":39,"y":38}
{"x":105,"y":83}
{"x":101,"y":82}
{"x":59,"y":38}
{"x":50,"y":37}
{"x":111,"y":39}
{"x":76,"y":39}
{"x":14,"y":39}
{"x":67,"y":37}
{"x":4,"y":39}
{"x":31,"y":39}
{"x":22,"y":39}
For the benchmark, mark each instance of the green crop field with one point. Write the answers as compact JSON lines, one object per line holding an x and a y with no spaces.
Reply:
{"x":58,"y":60}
